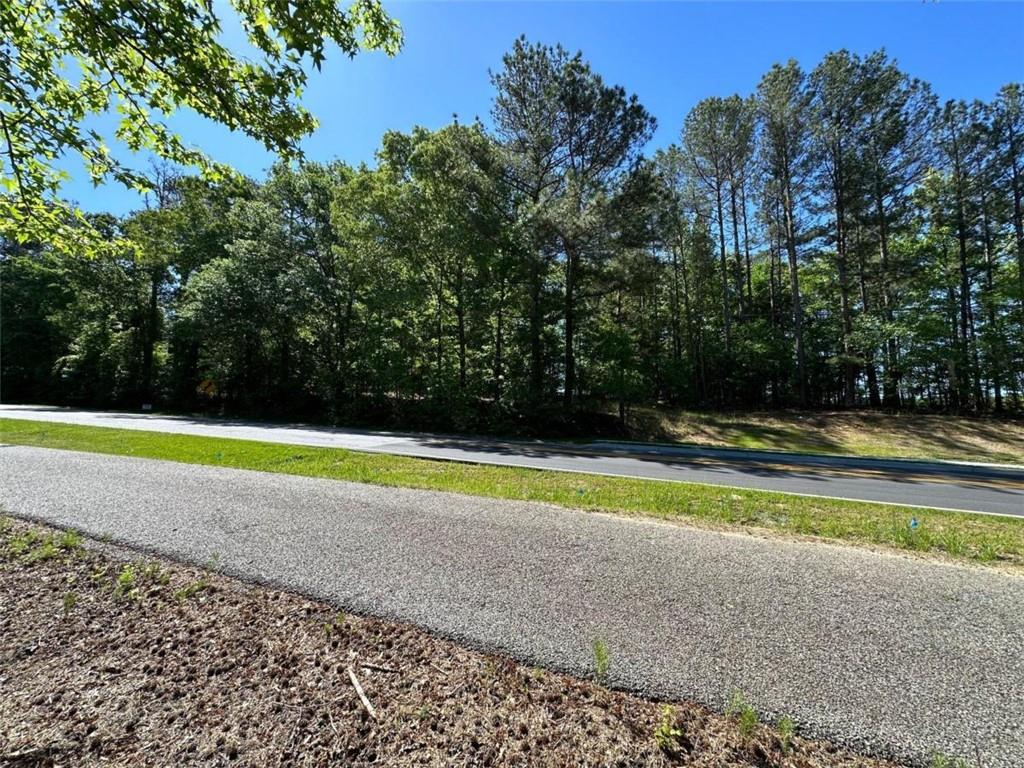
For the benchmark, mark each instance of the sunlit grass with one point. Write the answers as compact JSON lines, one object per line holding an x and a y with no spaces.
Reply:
{"x":851,"y":433}
{"x":976,"y":538}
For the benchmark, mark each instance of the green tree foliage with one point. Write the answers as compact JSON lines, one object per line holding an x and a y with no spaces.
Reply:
{"x":836,"y":239}
{"x":783,"y":103}
{"x":64,"y":61}
{"x":570,"y":141}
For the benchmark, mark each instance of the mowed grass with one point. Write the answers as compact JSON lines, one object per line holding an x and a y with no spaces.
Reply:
{"x":852,"y":433}
{"x":975,"y":538}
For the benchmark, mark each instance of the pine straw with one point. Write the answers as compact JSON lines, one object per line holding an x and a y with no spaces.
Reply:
{"x":180,"y":666}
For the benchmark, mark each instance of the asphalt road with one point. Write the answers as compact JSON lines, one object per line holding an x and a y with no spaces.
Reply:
{"x":892,"y":655}
{"x":943,"y":485}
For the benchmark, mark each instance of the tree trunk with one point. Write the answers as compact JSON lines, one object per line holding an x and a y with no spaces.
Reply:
{"x":995,"y":361}
{"x":571,"y":269}
{"x":965,"y":279}
{"x":891,"y":393}
{"x":536,"y":328}
{"x":460,"y":320}
{"x":775,"y":293}
{"x":736,"y":249}
{"x":746,"y":245}
{"x":794,"y":286}
{"x":849,"y":372}
{"x":1017,"y":186}
{"x":499,"y":344}
{"x":440,"y":341}
{"x":726,"y":309}
{"x":874,"y":399}
{"x":152,"y":321}
{"x":674,"y":307}
{"x":694,"y":344}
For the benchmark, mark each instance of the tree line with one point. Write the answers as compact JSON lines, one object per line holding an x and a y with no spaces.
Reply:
{"x":839,"y":238}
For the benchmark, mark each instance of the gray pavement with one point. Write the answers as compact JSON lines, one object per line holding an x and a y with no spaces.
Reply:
{"x":893,"y":655}
{"x":944,"y":485}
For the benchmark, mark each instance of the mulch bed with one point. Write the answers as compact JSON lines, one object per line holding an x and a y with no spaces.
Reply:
{"x":111,"y":661}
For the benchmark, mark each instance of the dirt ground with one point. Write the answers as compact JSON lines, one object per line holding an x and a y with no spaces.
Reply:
{"x":110,"y":659}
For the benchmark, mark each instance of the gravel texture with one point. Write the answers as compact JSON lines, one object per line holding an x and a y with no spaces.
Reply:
{"x":173,"y":666}
{"x":883,"y":653}
{"x":941,"y":485}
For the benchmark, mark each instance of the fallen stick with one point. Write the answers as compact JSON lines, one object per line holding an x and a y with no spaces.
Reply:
{"x":378,"y":667}
{"x":33,"y":755}
{"x":362,"y":696}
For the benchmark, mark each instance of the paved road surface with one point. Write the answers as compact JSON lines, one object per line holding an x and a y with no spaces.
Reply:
{"x":884,"y":652}
{"x":973,"y":488}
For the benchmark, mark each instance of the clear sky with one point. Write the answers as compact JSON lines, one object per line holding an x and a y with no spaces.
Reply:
{"x":670,"y":54}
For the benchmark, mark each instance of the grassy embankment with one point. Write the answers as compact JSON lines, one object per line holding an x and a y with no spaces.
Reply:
{"x":907,"y":436}
{"x":975,"y":538}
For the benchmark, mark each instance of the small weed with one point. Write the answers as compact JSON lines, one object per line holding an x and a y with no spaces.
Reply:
{"x":32,"y":547}
{"x":46,"y":549}
{"x":125,"y":585}
{"x":203,"y":583}
{"x":602,"y":661}
{"x":152,"y":573}
{"x":191,"y":590}
{"x":70,"y":541}
{"x":69,"y":602}
{"x":736,"y":703}
{"x":666,"y":735}
{"x":940,"y":760}
{"x":22,"y":543}
{"x":335,"y":625}
{"x":133,"y":577}
{"x":787,"y":729}
{"x":748,"y":723}
{"x":5,"y":525}
{"x":744,"y":714}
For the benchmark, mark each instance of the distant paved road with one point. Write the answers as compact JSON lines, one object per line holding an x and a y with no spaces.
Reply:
{"x":945,"y":485}
{"x":894,"y":655}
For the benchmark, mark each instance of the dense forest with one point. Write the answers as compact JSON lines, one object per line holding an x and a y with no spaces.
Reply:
{"x":839,"y":238}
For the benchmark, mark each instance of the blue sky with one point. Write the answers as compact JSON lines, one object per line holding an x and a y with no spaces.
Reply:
{"x":670,"y":54}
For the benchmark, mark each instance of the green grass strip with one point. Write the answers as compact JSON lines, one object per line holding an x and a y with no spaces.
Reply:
{"x":975,"y":538}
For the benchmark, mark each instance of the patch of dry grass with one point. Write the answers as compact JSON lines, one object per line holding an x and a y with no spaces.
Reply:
{"x":856,"y":433}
